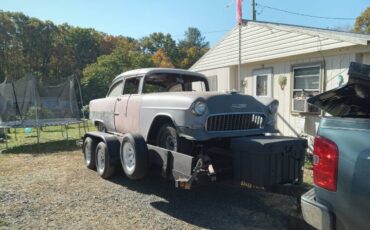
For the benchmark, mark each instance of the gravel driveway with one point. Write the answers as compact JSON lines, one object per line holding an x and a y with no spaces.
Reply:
{"x":57,"y":191}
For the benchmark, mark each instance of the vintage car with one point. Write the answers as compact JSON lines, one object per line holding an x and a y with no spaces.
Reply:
{"x":173,"y":108}
{"x":168,"y":117}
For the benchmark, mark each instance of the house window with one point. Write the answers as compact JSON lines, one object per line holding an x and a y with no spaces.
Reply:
{"x":306,"y":84}
{"x":262,"y":82}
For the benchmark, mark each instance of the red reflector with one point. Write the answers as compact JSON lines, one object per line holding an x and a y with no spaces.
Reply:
{"x":325,"y":167}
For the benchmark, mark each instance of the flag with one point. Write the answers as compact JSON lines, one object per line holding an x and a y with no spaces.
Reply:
{"x":239,"y":17}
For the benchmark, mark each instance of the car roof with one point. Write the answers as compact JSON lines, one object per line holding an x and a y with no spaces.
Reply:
{"x":147,"y":71}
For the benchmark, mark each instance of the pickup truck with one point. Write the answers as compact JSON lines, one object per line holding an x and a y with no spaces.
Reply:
{"x":341,"y":160}
{"x":168,"y":118}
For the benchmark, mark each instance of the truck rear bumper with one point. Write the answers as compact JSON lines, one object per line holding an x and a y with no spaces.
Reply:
{"x":315,"y":213}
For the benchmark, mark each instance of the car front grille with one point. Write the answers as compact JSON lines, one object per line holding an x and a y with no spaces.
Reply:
{"x":234,"y":122}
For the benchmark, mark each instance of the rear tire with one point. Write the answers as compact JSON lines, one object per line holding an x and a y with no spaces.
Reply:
{"x":134,"y":156}
{"x":103,"y":165}
{"x":89,"y":148}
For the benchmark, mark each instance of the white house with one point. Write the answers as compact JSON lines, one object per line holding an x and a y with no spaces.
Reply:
{"x":311,"y":61}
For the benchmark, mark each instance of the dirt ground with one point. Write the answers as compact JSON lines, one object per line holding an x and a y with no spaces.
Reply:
{"x":56,"y":191}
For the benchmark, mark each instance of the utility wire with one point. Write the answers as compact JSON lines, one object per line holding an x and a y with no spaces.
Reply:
{"x":300,"y":14}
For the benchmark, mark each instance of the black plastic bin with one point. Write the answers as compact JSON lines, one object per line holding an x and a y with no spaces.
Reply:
{"x":265,"y":161}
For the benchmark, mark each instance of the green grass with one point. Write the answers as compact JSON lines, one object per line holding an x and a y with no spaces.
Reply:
{"x":307,"y":177}
{"x":3,"y":223}
{"x":52,"y":139}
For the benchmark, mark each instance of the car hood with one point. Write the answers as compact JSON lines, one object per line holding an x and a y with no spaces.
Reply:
{"x":351,"y":99}
{"x":215,"y":100}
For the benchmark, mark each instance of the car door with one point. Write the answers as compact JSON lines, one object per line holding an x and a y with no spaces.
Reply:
{"x":106,"y":106}
{"x":126,"y":114}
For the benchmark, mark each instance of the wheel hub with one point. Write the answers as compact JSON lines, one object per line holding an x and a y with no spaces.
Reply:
{"x":87,"y":154}
{"x":101,"y":160}
{"x":129,"y":156}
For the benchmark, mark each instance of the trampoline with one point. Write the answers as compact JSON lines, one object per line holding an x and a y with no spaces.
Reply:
{"x":31,"y":103}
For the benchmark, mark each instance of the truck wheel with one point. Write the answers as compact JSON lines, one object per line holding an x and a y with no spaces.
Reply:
{"x":89,"y":147}
{"x":167,"y":138}
{"x":103,"y":166}
{"x":134,"y":156}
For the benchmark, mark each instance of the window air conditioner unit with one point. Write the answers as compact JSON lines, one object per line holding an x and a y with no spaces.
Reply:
{"x":300,"y":105}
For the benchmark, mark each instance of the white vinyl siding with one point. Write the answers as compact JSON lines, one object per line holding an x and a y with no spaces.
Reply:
{"x":263,"y":41}
{"x":212,"y":81}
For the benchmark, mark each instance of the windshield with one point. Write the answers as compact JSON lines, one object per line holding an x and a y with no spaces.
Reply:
{"x":169,"y":82}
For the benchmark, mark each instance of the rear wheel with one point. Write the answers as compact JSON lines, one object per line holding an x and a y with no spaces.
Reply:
{"x":134,"y":156}
{"x":103,"y":165}
{"x":167,"y":138}
{"x":89,"y":152}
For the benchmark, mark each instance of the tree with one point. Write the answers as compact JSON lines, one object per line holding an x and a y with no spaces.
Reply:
{"x":191,"y":48}
{"x":85,"y":44}
{"x":161,"y":59}
{"x":362,"y":24}
{"x":11,"y":56}
{"x":159,"y":41}
{"x":98,"y":76}
{"x":51,"y":52}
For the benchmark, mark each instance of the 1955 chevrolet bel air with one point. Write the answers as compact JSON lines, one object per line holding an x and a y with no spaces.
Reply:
{"x":168,"y":117}
{"x":166,"y":106}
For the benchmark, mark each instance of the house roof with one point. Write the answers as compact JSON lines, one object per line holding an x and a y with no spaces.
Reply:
{"x":265,"y":41}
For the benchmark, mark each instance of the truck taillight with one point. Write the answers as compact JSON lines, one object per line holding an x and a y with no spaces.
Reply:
{"x":325,"y":163}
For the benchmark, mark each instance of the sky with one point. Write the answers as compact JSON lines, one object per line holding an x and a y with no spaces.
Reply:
{"x":213,"y":18}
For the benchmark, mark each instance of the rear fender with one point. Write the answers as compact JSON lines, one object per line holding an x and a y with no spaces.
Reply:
{"x":112,"y":142}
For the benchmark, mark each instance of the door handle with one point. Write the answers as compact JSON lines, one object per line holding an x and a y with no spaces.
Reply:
{"x":119,"y":99}
{"x":116,"y":114}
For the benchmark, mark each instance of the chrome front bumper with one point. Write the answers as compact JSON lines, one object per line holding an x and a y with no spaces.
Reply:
{"x":315,"y":213}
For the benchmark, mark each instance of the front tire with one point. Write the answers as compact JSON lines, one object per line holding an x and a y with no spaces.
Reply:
{"x":104,"y":167}
{"x":89,"y":148}
{"x":134,"y":156}
{"x":168,"y":139}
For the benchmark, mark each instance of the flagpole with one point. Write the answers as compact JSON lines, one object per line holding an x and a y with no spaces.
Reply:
{"x":239,"y":18}
{"x":240,"y":57}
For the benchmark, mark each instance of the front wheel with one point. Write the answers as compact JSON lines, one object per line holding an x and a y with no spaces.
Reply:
{"x":167,"y":138}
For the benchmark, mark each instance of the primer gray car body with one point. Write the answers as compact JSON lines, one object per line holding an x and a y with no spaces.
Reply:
{"x":224,"y":115}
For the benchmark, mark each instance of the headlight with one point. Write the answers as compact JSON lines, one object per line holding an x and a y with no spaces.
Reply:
{"x":273,"y":107}
{"x":199,"y":108}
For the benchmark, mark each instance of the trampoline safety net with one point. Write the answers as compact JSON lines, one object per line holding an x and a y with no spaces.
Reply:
{"x":27,"y":102}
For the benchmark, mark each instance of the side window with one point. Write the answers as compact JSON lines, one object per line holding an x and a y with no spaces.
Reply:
{"x":132,"y":85}
{"x":116,"y":89}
